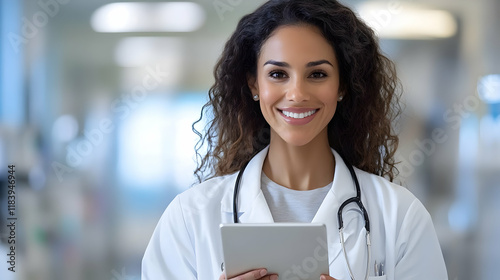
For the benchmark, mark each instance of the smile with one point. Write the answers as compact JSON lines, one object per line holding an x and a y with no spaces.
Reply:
{"x":299,"y":115}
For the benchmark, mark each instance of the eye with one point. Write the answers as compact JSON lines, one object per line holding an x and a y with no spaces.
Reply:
{"x":277,"y":75}
{"x":318,"y":75}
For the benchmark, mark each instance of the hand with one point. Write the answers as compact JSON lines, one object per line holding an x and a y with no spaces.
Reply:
{"x":258,"y":274}
{"x":326,"y":277}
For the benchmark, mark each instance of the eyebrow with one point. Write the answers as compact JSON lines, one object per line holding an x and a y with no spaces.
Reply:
{"x":310,"y":64}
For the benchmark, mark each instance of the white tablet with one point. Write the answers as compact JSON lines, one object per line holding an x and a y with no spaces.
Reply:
{"x":292,"y":250}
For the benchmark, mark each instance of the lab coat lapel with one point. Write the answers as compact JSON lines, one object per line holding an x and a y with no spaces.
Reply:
{"x":252,"y":205}
{"x":253,"y":208}
{"x":342,"y":188}
{"x":258,"y":213}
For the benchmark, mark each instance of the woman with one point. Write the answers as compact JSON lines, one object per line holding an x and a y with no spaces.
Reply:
{"x":301,"y":91}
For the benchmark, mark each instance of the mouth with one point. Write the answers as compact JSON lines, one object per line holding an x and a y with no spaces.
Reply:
{"x":298,"y":114}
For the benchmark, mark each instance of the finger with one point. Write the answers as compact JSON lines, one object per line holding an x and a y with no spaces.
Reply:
{"x":252,"y":275}
{"x":326,"y":277}
{"x":270,"y":277}
{"x":222,"y":276}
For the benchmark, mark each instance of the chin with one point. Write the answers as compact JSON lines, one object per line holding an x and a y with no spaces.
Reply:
{"x":297,"y":141}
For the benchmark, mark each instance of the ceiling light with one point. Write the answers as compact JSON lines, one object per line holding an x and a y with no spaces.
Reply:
{"x":396,"y":20}
{"x":148,"y":17}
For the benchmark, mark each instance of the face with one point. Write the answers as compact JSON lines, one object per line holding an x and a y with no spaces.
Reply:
{"x":297,"y":83}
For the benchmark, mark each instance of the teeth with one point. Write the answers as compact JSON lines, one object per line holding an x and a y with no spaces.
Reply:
{"x":298,"y":115}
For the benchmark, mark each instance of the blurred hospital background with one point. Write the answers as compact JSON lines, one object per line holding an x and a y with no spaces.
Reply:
{"x":97,"y":99}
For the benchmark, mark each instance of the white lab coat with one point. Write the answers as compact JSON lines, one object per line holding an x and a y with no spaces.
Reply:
{"x":186,"y":243}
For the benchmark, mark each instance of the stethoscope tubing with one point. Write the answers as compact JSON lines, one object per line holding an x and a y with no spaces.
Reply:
{"x":235,"y":194}
{"x":355,"y":199}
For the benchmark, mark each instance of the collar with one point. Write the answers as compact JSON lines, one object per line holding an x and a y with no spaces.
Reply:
{"x":250,"y":196}
{"x":253,"y":208}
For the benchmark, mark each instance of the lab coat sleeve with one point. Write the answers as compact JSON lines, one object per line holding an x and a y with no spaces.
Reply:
{"x":170,"y":253}
{"x":419,"y":253}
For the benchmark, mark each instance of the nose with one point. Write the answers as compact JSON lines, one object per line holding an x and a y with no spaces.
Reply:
{"x":297,"y":91}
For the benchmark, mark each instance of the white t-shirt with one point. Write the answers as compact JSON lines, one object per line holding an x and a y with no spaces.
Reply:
{"x":287,"y":205}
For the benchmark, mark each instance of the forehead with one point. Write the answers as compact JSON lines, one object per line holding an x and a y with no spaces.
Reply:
{"x":296,"y":43}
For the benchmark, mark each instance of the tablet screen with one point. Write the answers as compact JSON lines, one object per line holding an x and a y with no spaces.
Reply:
{"x":292,"y":250}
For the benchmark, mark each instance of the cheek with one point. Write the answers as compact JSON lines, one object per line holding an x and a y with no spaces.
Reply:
{"x":328,"y":96}
{"x":330,"y":100}
{"x":269,"y":94}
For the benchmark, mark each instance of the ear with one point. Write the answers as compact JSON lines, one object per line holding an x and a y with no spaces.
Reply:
{"x":340,"y":96}
{"x":253,"y":84}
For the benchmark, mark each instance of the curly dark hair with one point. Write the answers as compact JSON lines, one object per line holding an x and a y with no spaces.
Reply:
{"x":361,"y":129}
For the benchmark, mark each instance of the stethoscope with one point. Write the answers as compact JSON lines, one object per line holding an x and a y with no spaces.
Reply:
{"x":355,"y":199}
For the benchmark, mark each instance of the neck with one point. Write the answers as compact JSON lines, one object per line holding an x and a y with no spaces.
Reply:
{"x":305,"y":167}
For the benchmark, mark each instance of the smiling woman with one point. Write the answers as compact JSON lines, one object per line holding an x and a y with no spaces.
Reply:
{"x":361,"y":128}
{"x":303,"y":101}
